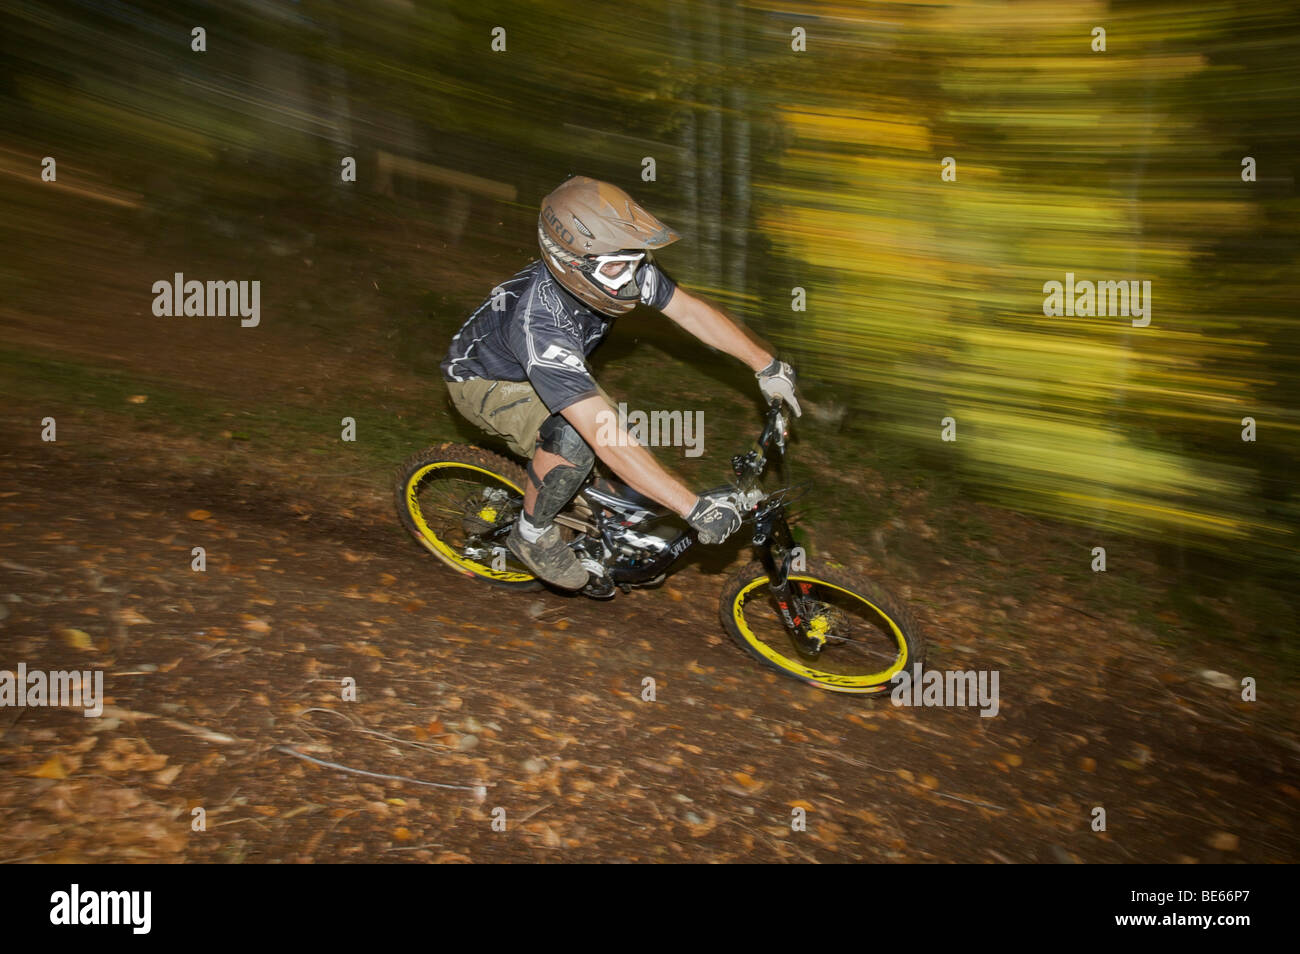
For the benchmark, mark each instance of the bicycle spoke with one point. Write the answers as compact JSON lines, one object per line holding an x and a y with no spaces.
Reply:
{"x":448,"y":502}
{"x":855,"y":640}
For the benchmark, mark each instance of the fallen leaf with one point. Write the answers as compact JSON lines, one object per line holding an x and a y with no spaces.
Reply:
{"x":1223,"y":841}
{"x":52,"y":768}
{"x":150,"y":762}
{"x":1220,"y":680}
{"x":703,"y":826}
{"x":77,"y":638}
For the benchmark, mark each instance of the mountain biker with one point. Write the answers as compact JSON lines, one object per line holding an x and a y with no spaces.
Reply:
{"x":516,"y":367}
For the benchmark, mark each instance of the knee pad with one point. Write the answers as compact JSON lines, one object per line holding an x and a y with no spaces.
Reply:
{"x":557,"y":436}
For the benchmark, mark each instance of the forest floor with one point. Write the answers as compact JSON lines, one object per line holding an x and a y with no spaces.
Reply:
{"x":174,"y":433}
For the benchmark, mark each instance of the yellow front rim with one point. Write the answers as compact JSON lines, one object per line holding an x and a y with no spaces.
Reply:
{"x":872,"y":682}
{"x":434,"y":543}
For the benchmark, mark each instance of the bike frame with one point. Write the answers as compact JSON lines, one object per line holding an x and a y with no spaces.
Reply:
{"x":772,"y":536}
{"x":767,"y":513}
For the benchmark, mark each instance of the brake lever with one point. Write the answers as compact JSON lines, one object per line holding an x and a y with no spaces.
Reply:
{"x":747,"y":501}
{"x":776,"y":431}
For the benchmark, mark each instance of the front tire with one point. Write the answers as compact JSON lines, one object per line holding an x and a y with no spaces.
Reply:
{"x":867,"y":635}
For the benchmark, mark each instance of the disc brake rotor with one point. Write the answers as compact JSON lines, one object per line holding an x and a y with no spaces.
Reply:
{"x":484,"y":511}
{"x":826,"y":623}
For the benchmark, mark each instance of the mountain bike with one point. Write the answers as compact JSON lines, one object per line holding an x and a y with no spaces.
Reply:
{"x":823,"y":626}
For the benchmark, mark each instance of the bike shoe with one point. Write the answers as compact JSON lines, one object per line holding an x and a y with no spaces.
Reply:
{"x":549,"y":558}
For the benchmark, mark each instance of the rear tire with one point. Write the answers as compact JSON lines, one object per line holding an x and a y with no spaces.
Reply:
{"x":471,"y":466}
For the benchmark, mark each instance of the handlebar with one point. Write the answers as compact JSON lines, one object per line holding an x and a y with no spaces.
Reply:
{"x":777,"y":427}
{"x":749,"y":467}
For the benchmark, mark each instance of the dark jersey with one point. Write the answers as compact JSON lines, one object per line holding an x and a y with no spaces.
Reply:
{"x":542,"y":335}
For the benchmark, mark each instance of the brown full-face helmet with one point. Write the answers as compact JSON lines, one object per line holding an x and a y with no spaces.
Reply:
{"x":594,"y":238}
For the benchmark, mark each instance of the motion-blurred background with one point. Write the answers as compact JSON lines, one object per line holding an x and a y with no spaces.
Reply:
{"x":818,"y":169}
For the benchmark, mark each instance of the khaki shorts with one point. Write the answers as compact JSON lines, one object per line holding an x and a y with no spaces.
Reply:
{"x":509,"y":409}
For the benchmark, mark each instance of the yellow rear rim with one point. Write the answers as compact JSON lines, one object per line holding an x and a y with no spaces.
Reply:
{"x":436,"y":544}
{"x":869,"y":682}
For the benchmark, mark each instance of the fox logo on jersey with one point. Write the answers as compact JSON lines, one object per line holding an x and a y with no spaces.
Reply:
{"x":564,"y":356}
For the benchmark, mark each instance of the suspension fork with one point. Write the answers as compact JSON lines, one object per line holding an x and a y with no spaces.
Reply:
{"x":772,"y":534}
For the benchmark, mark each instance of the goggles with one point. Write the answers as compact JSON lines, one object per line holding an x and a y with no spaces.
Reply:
{"x":616,"y":269}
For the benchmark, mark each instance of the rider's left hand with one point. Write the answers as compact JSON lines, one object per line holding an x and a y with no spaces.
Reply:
{"x":715,"y":515}
{"x":778,"y":380}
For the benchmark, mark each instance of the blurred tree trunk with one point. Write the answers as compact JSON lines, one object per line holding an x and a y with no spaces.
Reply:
{"x":738,"y":114}
{"x":689,"y":155}
{"x":712,"y":155}
{"x":340,"y":101}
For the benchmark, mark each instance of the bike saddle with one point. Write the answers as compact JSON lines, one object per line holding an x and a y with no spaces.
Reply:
{"x":623,"y":500}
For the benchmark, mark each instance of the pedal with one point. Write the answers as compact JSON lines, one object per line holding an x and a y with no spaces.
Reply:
{"x":599,"y":585}
{"x":599,"y":588}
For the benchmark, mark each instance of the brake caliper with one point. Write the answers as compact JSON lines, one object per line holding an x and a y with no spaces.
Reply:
{"x":817,"y":628}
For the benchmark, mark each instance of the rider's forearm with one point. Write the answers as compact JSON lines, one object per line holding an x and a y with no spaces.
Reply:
{"x":716,"y":330}
{"x":637,"y":468}
{"x":592,"y":417}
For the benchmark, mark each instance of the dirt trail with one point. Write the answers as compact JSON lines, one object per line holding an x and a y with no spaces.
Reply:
{"x":538,"y":697}
{"x":310,"y":582}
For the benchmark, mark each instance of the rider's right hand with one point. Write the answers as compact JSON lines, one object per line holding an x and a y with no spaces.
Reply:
{"x":715,"y":515}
